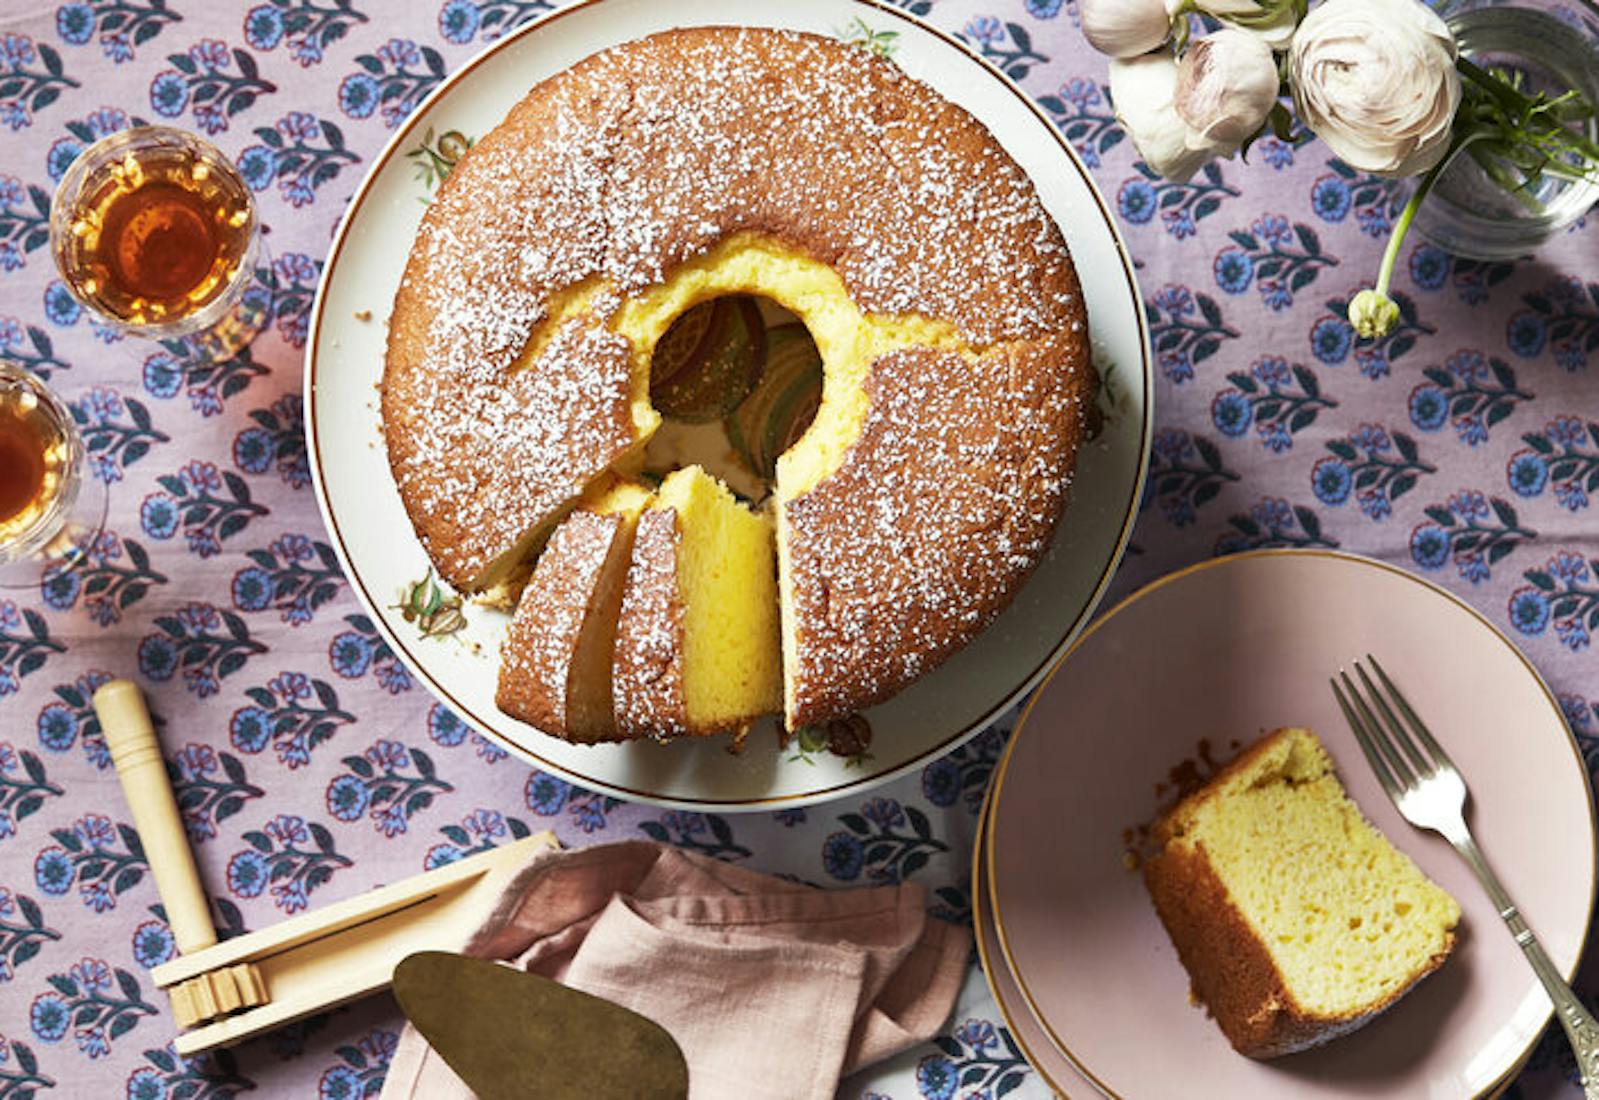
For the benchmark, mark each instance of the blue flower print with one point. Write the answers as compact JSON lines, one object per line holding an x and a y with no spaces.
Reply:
{"x":1429,"y":266}
{"x":1234,"y":269}
{"x":444,"y":727}
{"x":1330,"y":198}
{"x":937,"y":1077}
{"x":263,"y":27}
{"x":169,"y":94}
{"x":259,"y":166}
{"x":153,"y":943}
{"x":350,"y":654}
{"x":1331,"y":480}
{"x":1137,"y":201}
{"x":58,"y":727}
{"x":546,"y":794}
{"x":941,"y":782}
{"x":1529,"y":611}
{"x":358,"y":95}
{"x":60,"y":306}
{"x":1429,"y":546}
{"x":163,"y":375}
{"x":1043,"y":9}
{"x":49,"y":1017}
{"x":250,"y":729}
{"x":1331,"y":339}
{"x":843,"y":856}
{"x":53,"y":871}
{"x":1526,"y":334}
{"x":158,"y":659}
{"x":348,"y":798}
{"x":1527,"y":473}
{"x":60,"y":157}
{"x":252,"y":589}
{"x":1429,"y":407}
{"x":340,"y":1083}
{"x":60,"y":589}
{"x":247,"y":873}
{"x":75,"y":23}
{"x":158,"y":516}
{"x":459,"y":21}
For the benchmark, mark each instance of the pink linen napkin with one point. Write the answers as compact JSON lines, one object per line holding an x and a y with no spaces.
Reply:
{"x":773,"y":989}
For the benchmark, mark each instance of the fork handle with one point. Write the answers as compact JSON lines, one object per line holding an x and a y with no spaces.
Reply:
{"x":1582,"y":1031}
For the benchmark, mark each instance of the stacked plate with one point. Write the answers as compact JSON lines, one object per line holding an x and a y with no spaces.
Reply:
{"x":1188,"y":669}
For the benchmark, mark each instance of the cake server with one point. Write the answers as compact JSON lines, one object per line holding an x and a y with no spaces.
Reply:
{"x":509,"y":1034}
{"x":224,"y":993}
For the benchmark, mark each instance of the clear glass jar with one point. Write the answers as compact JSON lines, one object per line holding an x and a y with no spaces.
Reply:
{"x":1555,"y":44}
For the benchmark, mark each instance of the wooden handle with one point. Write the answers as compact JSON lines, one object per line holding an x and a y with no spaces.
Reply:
{"x":130,"y":737}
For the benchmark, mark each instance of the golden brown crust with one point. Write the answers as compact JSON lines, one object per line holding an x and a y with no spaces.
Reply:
{"x":640,"y":157}
{"x":1165,"y":825}
{"x":647,"y":669}
{"x":922,"y":537}
{"x":542,"y":642}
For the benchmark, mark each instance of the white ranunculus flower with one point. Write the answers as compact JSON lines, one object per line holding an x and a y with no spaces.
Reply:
{"x":1143,"y":89}
{"x":1226,"y":84}
{"x":1376,"y":80}
{"x":1125,"y":28}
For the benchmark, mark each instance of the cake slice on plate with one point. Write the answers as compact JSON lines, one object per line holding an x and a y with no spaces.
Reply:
{"x":1296,"y":919}
{"x":697,"y":649}
{"x":555,"y":671}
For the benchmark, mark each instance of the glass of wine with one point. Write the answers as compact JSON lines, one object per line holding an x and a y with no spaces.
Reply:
{"x":51,"y":517}
{"x":155,"y":231}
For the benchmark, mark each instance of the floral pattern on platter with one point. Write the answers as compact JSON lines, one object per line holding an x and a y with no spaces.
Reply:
{"x":281,"y":681}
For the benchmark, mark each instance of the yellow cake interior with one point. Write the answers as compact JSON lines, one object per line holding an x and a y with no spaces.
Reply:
{"x":847,"y":339}
{"x":589,"y":714}
{"x":1348,"y":918}
{"x":726,"y":580}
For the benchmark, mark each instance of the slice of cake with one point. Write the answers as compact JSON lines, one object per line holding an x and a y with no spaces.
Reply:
{"x":697,"y":648}
{"x":1296,"y":919}
{"x":555,"y":671}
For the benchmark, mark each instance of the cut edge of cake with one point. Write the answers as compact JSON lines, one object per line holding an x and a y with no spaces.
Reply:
{"x":555,"y":670}
{"x":697,"y":647}
{"x":1259,"y":991}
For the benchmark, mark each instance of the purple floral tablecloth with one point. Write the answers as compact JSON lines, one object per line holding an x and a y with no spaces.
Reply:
{"x":1465,"y":446}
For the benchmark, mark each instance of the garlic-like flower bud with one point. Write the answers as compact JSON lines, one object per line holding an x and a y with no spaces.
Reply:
{"x":1125,"y":28}
{"x":1142,"y":89}
{"x":1226,"y":85}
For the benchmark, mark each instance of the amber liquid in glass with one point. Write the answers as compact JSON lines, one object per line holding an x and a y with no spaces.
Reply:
{"x":158,"y":235}
{"x":34,"y":454}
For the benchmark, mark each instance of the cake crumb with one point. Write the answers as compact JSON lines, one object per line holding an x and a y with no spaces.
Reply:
{"x":363,"y":315}
{"x":1131,"y":860}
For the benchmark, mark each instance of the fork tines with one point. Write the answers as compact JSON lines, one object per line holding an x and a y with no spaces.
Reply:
{"x":1400,"y":752}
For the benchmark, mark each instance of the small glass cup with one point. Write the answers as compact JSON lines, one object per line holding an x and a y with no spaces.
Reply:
{"x":51,"y":516}
{"x":155,"y":231}
{"x":1555,"y":45}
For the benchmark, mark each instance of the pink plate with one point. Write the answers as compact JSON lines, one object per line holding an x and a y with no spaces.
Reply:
{"x":1057,"y":1072}
{"x":1226,"y":651}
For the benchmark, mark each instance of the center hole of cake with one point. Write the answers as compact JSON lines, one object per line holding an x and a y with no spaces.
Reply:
{"x":737,"y":380}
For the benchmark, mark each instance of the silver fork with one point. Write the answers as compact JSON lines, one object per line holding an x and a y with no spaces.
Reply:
{"x":1430,"y":793}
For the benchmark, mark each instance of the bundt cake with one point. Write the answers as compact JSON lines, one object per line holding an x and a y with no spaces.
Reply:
{"x":714,"y":161}
{"x":697,"y":641}
{"x":1296,"y":920}
{"x":555,"y":672}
